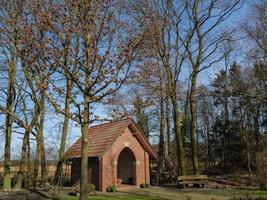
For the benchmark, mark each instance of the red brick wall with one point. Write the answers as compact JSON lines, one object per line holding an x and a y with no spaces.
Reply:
{"x":93,"y":171}
{"x":75,"y":171}
{"x":110,"y":159}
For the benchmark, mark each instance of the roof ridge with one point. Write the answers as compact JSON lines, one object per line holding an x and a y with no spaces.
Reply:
{"x":111,"y":122}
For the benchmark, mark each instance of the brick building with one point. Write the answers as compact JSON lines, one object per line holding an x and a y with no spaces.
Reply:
{"x":118,"y":153}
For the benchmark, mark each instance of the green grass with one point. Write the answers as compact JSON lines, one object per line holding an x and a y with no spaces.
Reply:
{"x":161,"y":193}
{"x":115,"y":197}
{"x":260,"y":192}
{"x":152,"y":193}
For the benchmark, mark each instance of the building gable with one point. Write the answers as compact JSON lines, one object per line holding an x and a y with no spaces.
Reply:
{"x":102,"y":137}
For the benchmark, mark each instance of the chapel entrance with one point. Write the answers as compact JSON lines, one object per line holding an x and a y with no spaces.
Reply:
{"x":126,"y":168}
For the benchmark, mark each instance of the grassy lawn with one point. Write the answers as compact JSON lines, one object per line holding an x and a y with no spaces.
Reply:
{"x":115,"y":197}
{"x":152,"y":193}
{"x":157,"y":193}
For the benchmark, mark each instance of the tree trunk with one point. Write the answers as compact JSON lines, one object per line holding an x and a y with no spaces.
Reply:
{"x":161,"y":138}
{"x":248,"y":157}
{"x":9,"y":121}
{"x":29,"y":176}
{"x":58,"y":174}
{"x":257,"y":127}
{"x":247,"y":140}
{"x":227,"y":124}
{"x":192,"y":102}
{"x":41,"y":140}
{"x":168,"y":160}
{"x":84,"y":150}
{"x":37,"y":161}
{"x":178,"y":135}
{"x":186,"y":117}
{"x":168,"y":125}
{"x":209,"y":143}
{"x":22,"y":167}
{"x":171,"y":84}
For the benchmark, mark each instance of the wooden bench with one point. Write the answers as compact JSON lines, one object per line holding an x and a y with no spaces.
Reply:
{"x":194,"y":180}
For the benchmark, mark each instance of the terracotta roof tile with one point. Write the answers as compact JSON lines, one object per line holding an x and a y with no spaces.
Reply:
{"x":100,"y":138}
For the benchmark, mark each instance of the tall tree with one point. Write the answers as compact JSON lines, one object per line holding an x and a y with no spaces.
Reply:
{"x":201,"y":43}
{"x":9,"y":120}
{"x":164,"y":41}
{"x":66,"y":57}
{"x":103,"y":60}
{"x":10,"y":17}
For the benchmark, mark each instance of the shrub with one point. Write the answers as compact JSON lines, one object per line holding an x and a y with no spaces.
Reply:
{"x":108,"y":189}
{"x":1,"y":180}
{"x":90,"y":188}
{"x":144,"y":185}
{"x":14,"y":180}
{"x":77,"y":188}
{"x":261,"y":173}
{"x":111,"y":188}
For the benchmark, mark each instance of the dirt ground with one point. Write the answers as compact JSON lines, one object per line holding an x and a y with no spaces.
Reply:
{"x":22,"y":195}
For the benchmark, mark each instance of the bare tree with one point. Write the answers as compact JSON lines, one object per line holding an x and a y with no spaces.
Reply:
{"x":99,"y":52}
{"x":10,"y":17}
{"x":201,"y":41}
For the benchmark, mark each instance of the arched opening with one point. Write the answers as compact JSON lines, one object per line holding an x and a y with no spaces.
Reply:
{"x":126,"y":167}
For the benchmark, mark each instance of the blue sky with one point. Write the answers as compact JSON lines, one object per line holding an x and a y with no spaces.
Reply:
{"x":52,"y":121}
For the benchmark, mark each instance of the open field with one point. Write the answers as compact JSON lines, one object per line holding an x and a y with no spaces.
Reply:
{"x":153,"y":193}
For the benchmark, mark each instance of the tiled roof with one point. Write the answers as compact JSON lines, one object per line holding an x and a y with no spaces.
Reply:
{"x":100,"y":138}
